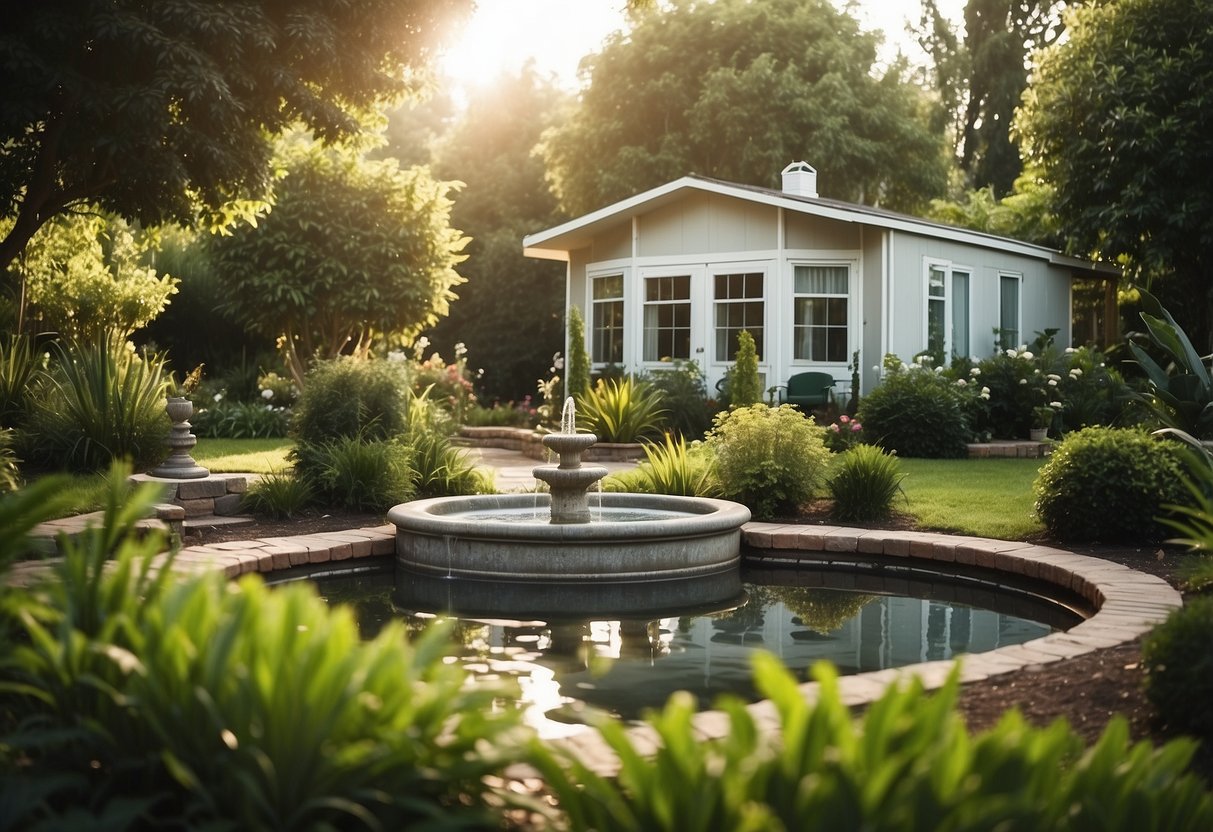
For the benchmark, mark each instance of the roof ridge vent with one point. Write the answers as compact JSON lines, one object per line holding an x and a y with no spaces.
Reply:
{"x":800,"y":179}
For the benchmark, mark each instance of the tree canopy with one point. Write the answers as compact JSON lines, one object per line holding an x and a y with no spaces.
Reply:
{"x":161,"y":111}
{"x":1120,"y":120}
{"x":737,"y":90}
{"x":353,"y":250}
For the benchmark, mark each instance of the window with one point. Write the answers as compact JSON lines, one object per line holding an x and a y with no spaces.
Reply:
{"x":667,"y":318}
{"x":1008,"y":311}
{"x":819,"y":330}
{"x":947,"y":311}
{"x":606,"y":294}
{"x":739,"y":306}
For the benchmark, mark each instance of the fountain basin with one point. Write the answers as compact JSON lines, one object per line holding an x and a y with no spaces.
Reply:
{"x":633,"y":537}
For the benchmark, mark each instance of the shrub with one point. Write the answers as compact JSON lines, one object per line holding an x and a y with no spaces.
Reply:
{"x":917,"y":412}
{"x":139,"y":699}
{"x":280,"y":495}
{"x":20,"y":365}
{"x":447,"y":385}
{"x":240,"y":420}
{"x":685,"y":395}
{"x":670,"y":468}
{"x":100,"y":402}
{"x":772,"y":459}
{"x":1178,"y":659}
{"x":10,"y":475}
{"x":864,"y":483}
{"x":1109,"y":484}
{"x":843,"y":433}
{"x":908,"y":763}
{"x":743,"y":385}
{"x":578,"y":382}
{"x":441,"y":469}
{"x":277,"y":390}
{"x":622,"y":410}
{"x":522,"y":414}
{"x":349,"y":397}
{"x":355,"y":473}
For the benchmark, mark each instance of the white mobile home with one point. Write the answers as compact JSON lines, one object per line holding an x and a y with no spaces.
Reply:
{"x":679,"y":271}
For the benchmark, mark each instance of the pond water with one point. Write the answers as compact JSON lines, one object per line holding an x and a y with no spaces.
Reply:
{"x":859,"y":621}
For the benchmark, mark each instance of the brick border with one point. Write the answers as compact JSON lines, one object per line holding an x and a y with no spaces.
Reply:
{"x":1128,"y":603}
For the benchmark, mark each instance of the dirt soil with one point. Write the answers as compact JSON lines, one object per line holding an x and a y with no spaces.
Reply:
{"x":1087,"y":691}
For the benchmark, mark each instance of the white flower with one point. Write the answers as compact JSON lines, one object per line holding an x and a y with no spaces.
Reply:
{"x":395,"y":355}
{"x":1023,"y":381}
{"x":985,"y":391}
{"x":1075,"y":371}
{"x":1070,"y":350}
{"x":1027,"y":356}
{"x":460,"y":350}
{"x":1054,"y":377}
{"x":1052,"y":382}
{"x":1055,"y":405}
{"x":976,"y":371}
{"x":1012,"y":354}
{"x":875,"y":367}
{"x":218,"y":397}
{"x":960,"y":382}
{"x":267,"y":394}
{"x":421,"y":343}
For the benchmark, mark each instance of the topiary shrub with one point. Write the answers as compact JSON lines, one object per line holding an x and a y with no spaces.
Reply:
{"x":864,"y":483}
{"x":743,"y":384}
{"x":1178,"y":658}
{"x":772,"y":459}
{"x":1109,"y":484}
{"x":916,"y":412}
{"x":351,"y":397}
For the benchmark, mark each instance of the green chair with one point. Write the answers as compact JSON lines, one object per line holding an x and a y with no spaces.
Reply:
{"x":807,"y":390}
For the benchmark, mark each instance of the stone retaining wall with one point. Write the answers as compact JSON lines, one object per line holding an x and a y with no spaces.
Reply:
{"x":216,"y":494}
{"x":530,"y":444}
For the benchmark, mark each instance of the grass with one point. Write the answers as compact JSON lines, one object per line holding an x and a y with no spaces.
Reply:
{"x":982,"y":497}
{"x":243,"y":456}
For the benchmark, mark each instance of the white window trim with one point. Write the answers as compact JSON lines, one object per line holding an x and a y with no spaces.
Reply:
{"x":718,"y":267}
{"x":587,"y":311}
{"x":636,"y":339}
{"x":1017,"y":277}
{"x":949,"y":267}
{"x":854,"y":330}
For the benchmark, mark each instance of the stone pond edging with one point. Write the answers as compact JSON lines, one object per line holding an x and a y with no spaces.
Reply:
{"x":1128,"y":603}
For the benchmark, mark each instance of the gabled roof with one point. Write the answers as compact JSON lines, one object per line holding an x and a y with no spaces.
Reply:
{"x":554,"y":243}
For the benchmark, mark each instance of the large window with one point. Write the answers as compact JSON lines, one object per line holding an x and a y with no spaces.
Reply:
{"x":1008,"y":311}
{"x":667,"y":318}
{"x":607,"y":319}
{"x":819,"y":330}
{"x":739,"y":306}
{"x":947,"y":311}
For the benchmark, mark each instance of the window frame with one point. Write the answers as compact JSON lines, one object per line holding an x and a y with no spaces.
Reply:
{"x":763,"y":269}
{"x":646,"y":304}
{"x":593,"y":304}
{"x":1017,"y":279}
{"x":851,"y":301}
{"x":950,"y":269}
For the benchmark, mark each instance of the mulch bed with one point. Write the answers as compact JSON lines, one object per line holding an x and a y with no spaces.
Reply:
{"x":1088,"y":691}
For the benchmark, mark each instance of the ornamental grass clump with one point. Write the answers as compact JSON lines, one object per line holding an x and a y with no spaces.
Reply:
{"x":622,"y":410}
{"x":864,"y":483}
{"x":673,"y":468}
{"x":772,"y":459}
{"x":1110,"y":484}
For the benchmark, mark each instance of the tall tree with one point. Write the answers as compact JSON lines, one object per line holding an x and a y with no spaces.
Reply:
{"x":1119,"y":118}
{"x":981,"y":79}
{"x":162,"y":111}
{"x":736,"y":90}
{"x":510,"y":312}
{"x":353,"y":250}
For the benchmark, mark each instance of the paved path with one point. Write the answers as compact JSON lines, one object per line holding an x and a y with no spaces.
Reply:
{"x":513,"y":469}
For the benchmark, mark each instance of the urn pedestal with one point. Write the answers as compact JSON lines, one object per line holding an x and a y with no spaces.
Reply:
{"x":180,"y":465}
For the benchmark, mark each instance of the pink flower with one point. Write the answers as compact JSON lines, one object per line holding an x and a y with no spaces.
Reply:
{"x":844,"y":418}
{"x":834,"y":428}
{"x":856,"y":427}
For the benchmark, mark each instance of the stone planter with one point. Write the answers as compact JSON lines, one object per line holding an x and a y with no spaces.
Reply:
{"x":1038,"y":434}
{"x":180,"y":465}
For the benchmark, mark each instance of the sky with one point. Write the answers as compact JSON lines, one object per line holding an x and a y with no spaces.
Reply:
{"x":503,"y":34}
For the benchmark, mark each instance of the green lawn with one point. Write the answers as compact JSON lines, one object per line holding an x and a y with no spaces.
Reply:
{"x":983,"y":497}
{"x":243,"y":456}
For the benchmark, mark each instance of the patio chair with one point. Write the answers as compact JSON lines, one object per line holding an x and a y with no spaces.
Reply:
{"x":807,"y":390}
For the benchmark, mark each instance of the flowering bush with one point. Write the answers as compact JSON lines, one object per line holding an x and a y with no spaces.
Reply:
{"x":277,"y":390}
{"x":918,"y":411}
{"x":449,"y":385}
{"x":843,"y":434}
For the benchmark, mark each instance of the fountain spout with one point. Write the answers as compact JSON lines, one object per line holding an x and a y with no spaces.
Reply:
{"x":569,"y":481}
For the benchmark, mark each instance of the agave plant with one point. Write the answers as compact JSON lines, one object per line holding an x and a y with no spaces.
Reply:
{"x":1180,"y":396}
{"x":622,"y":410}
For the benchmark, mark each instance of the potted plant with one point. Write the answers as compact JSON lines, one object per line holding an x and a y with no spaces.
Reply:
{"x":1042,"y":420}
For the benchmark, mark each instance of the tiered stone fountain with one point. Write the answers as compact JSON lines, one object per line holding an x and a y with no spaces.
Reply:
{"x":585,"y":554}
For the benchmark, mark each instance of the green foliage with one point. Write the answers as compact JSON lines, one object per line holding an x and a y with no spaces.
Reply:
{"x":1024,"y":214}
{"x":772,"y":459}
{"x":356,"y":473}
{"x":86,"y":275}
{"x":94,"y":113}
{"x":916,"y":412}
{"x":441,"y":469}
{"x":249,"y":456}
{"x":684,"y":391}
{"x":864,"y":482}
{"x":1180,"y":396}
{"x":843,"y":434}
{"x":741,"y":89}
{"x":20,"y":364}
{"x":202,"y":703}
{"x":521,"y":414}
{"x":577,"y":383}
{"x":100,"y":402}
{"x":354,"y":250}
{"x":670,"y":468}
{"x":1109,"y":484}
{"x":622,"y":410}
{"x":743,"y":383}
{"x":240,"y":420}
{"x":10,"y":475}
{"x":982,"y":497}
{"x":1118,"y":120}
{"x":279,"y":495}
{"x":446,"y":385}
{"x":350,"y":397}
{"x":908,"y":763}
{"x":1178,"y":658}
